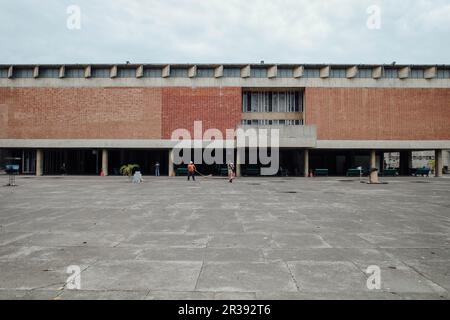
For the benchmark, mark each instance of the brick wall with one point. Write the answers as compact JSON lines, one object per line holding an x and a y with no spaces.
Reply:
{"x":216,"y":107}
{"x":80,"y":113}
{"x":153,"y":113}
{"x":379,"y":114}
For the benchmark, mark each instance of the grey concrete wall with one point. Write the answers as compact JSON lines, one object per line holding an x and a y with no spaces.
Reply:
{"x":290,"y":137}
{"x":227,"y":82}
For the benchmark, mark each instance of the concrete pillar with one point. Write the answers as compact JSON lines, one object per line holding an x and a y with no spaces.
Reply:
{"x":105,"y":162}
{"x":373,"y":177}
{"x":373,"y":159}
{"x":438,"y":163}
{"x":306,"y":163}
{"x":238,"y":162}
{"x":39,"y":162}
{"x":405,"y":162}
{"x":171,"y":169}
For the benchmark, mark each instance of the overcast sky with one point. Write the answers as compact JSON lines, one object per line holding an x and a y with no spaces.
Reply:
{"x":228,"y":31}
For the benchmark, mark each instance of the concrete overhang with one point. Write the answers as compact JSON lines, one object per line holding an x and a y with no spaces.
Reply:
{"x":298,"y":71}
{"x":289,"y":136}
{"x":384,"y":144}
{"x":351,"y":72}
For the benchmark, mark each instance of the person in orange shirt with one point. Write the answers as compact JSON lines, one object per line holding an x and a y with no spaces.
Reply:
{"x":191,"y":171}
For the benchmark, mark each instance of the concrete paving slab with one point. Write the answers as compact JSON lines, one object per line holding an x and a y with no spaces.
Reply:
{"x":256,"y":238}
{"x":179,"y":295}
{"x":300,"y":241}
{"x":437,"y":271}
{"x":72,"y":238}
{"x":341,"y":295}
{"x":34,"y":274}
{"x":28,"y":294}
{"x":408,"y":240}
{"x":70,"y":255}
{"x":247,"y":240}
{"x":141,"y":275}
{"x":160,"y":239}
{"x":234,"y":254}
{"x":303,"y":254}
{"x":336,"y":276}
{"x":245,"y":277}
{"x":424,"y":254}
{"x":234,"y":296}
{"x":101,"y":295}
{"x":172,"y":254}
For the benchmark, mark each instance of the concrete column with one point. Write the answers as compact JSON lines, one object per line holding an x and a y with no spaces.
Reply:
{"x":306,"y":163}
{"x":373,"y":177}
{"x":105,"y":162}
{"x":239,"y":162}
{"x":373,"y":159}
{"x":438,"y":165}
{"x":171,"y":169}
{"x":39,"y":162}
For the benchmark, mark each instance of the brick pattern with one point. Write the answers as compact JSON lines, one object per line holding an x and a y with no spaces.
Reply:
{"x":216,"y":107}
{"x":153,"y":113}
{"x":379,"y":113}
{"x":80,"y":113}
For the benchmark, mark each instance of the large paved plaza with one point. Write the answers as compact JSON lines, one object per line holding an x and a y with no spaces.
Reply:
{"x":258,"y":238}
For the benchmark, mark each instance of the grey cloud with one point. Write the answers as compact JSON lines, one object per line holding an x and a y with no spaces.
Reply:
{"x":413,"y":31}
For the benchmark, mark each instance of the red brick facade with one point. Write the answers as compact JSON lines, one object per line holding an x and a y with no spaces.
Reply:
{"x":80,"y":113}
{"x":153,"y":113}
{"x":219,"y":108}
{"x":114,"y":113}
{"x":379,"y":114}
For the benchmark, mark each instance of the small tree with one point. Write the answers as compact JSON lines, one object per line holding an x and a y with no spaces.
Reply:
{"x":128,"y":169}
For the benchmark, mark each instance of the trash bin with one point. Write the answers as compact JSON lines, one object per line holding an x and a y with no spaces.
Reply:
{"x":373,"y":176}
{"x":12,"y":170}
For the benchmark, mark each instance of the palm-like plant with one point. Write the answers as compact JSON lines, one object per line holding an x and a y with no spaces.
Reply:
{"x":128,"y":169}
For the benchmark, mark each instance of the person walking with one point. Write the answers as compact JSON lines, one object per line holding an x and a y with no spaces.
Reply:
{"x":191,"y":171}
{"x":157,"y":169}
{"x":230,"y":172}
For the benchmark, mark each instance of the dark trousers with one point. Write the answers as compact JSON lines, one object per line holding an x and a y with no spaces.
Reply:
{"x":191,"y":174}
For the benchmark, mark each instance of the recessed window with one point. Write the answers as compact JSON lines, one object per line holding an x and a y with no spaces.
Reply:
{"x":417,"y":73}
{"x":152,"y":72}
{"x":74,"y":73}
{"x":443,"y":74}
{"x":205,"y":72}
{"x":258,"y":72}
{"x":285,"y":73}
{"x":101,"y":73}
{"x":232,"y":72}
{"x":179,"y":72}
{"x":391,"y":73}
{"x":338,"y":73}
{"x":23,"y":73}
{"x":312,"y":73}
{"x":290,"y":101}
{"x":3,"y":73}
{"x":266,"y":122}
{"x":48,"y":72}
{"x":364,"y":73}
{"x":126,"y":73}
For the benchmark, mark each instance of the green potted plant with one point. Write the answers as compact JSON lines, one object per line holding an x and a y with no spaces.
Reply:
{"x":128,"y":169}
